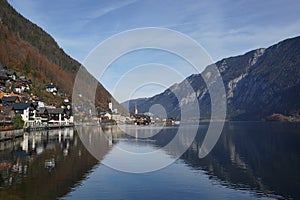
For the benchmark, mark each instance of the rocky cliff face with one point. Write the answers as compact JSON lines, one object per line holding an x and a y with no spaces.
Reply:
{"x":272,"y":85}
{"x":258,"y":84}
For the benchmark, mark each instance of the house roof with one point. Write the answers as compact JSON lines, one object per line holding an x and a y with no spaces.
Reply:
{"x":2,"y":67}
{"x":102,"y":113}
{"x":6,"y":109}
{"x":35,"y":103}
{"x":66,"y":103}
{"x":69,"y":111}
{"x":50,"y":85}
{"x":55,"y":110}
{"x":24,"y":80}
{"x":3,"y":75}
{"x":9,"y":73}
{"x":42,"y":110}
{"x":2,"y":88}
{"x":14,"y":94}
{"x":9,"y":99}
{"x":2,"y":94}
{"x":21,"y":106}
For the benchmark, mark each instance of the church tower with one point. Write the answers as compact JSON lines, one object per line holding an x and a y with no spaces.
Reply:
{"x":135,"y":109}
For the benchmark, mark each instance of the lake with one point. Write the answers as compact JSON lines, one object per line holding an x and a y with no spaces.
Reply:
{"x":250,"y":160}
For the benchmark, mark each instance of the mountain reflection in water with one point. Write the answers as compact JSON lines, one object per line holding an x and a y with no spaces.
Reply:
{"x":261,"y":159}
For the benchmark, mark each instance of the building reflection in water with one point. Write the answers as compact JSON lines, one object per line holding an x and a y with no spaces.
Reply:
{"x":17,"y":155}
{"x":43,"y":164}
{"x":99,"y":140}
{"x":259,"y":157}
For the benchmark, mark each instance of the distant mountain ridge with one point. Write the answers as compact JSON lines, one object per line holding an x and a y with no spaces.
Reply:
{"x":258,"y":84}
{"x":132,"y":104}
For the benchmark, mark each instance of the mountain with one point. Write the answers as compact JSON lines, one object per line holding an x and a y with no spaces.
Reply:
{"x":28,"y":50}
{"x":257,"y":84}
{"x":132,"y":104}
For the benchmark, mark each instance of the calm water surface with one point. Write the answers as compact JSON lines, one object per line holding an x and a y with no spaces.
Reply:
{"x":251,"y":160}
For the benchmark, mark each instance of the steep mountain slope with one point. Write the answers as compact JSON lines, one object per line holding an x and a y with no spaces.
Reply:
{"x":30,"y":51}
{"x":258,"y":84}
{"x":132,"y":104}
{"x":273,"y":84}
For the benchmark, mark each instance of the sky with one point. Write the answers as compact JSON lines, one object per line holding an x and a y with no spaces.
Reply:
{"x":222,"y":29}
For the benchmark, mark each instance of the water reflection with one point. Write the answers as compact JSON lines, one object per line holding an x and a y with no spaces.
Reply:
{"x":263,"y":158}
{"x":259,"y":157}
{"x":43,"y":165}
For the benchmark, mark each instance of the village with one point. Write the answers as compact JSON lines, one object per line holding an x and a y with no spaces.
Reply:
{"x":132,"y":118}
{"x":19,"y":108}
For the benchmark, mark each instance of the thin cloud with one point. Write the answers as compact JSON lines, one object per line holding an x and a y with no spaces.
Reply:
{"x":110,"y":8}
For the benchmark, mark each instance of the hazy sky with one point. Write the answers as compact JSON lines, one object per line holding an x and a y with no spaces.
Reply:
{"x":223,"y":28}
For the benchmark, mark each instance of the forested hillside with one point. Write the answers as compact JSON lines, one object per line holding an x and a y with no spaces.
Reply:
{"x":30,"y":51}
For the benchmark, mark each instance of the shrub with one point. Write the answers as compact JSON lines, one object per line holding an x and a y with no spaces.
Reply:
{"x":18,"y":122}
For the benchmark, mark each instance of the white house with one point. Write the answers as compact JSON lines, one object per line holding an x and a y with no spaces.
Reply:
{"x":108,"y":115}
{"x":51,"y":88}
{"x":69,"y":115}
{"x":27,"y":112}
{"x":18,"y":90}
{"x":12,"y":75}
{"x":56,"y":116}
